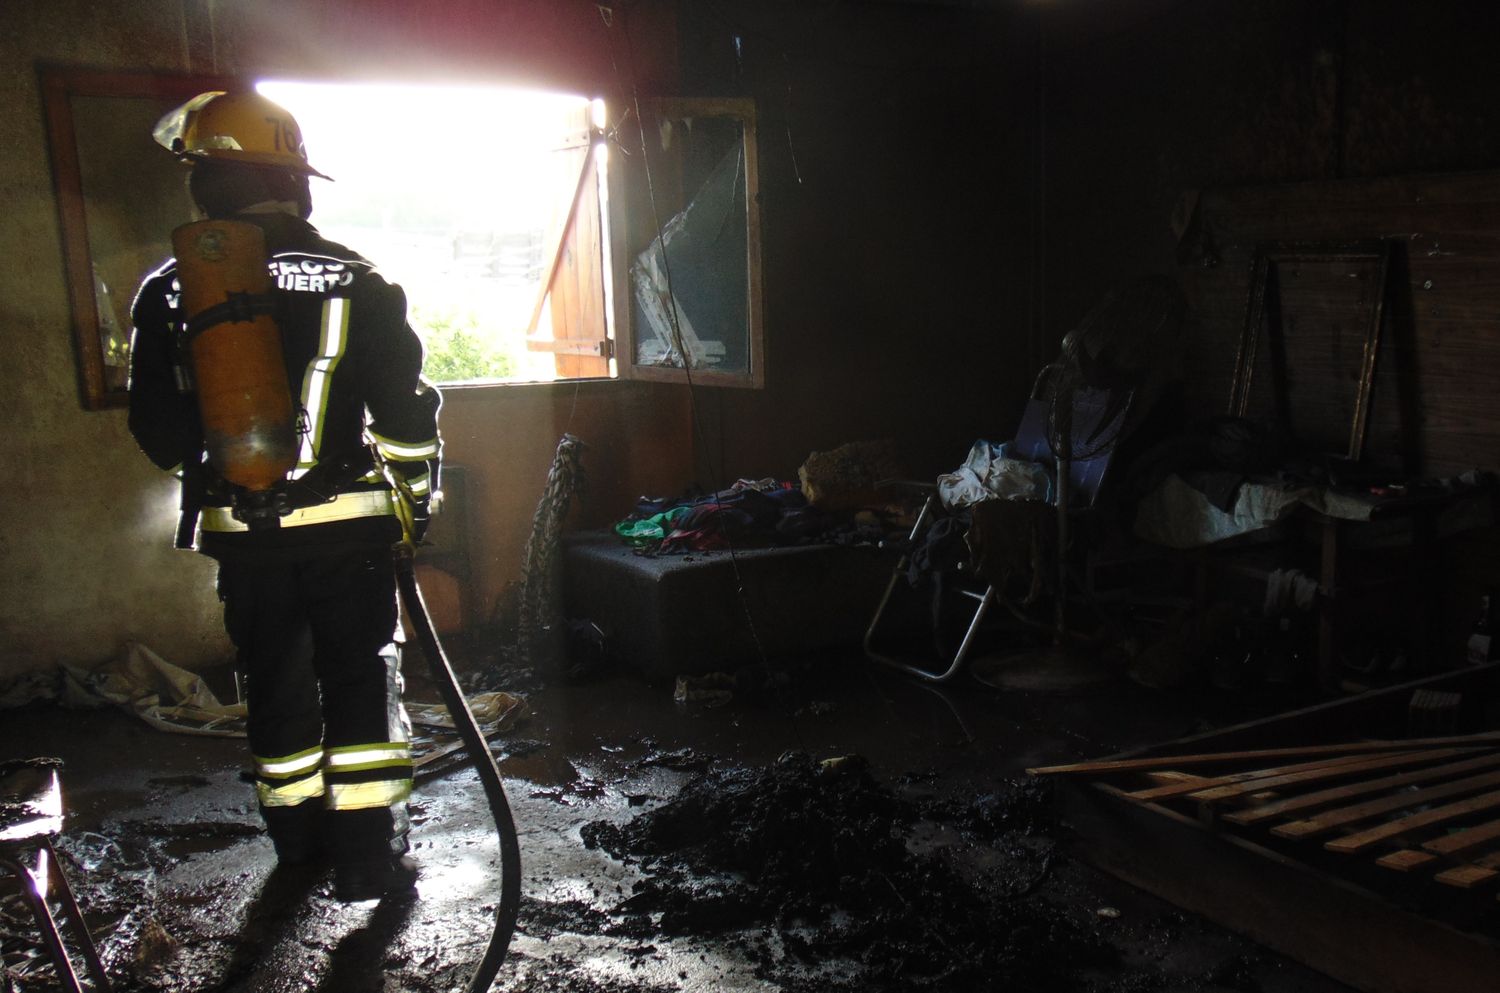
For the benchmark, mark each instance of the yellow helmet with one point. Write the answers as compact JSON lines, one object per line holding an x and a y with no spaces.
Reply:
{"x":235,"y":127}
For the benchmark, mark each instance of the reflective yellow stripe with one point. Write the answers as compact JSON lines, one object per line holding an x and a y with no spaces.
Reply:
{"x":400,"y":451}
{"x":287,"y":766}
{"x":356,"y":757}
{"x":289,"y":794}
{"x":345,"y":506}
{"x":362,"y":796}
{"x":421,"y":485}
{"x":316,"y":382}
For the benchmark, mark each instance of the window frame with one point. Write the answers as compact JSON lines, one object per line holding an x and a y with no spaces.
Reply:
{"x":633,"y":224}
{"x":59,"y":85}
{"x":630,"y":223}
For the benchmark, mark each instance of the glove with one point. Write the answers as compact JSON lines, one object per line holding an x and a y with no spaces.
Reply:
{"x":417,"y":508}
{"x":421,"y":518}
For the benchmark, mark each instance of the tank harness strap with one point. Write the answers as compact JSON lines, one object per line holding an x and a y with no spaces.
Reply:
{"x":343,"y":507}
{"x":237,"y":308}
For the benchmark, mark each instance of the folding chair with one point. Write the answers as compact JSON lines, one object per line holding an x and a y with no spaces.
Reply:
{"x":1091,"y":408}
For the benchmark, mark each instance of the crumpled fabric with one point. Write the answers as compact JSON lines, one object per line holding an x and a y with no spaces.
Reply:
{"x":166,"y":696}
{"x":940,"y":549}
{"x":649,"y":531}
{"x":989,"y":474}
{"x":1289,"y":588}
{"x":748,"y":511}
{"x":651,"y":506}
{"x":498,"y":708}
{"x":712,"y":525}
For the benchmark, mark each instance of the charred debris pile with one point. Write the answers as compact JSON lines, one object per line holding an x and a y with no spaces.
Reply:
{"x":830,"y":881}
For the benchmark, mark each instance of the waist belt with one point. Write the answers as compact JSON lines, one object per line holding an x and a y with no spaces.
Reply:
{"x":344,"y":507}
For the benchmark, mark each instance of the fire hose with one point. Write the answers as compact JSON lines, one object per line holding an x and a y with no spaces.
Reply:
{"x":474,"y":742}
{"x":484,"y":765}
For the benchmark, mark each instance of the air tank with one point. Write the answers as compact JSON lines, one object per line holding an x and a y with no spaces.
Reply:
{"x":249,"y":425}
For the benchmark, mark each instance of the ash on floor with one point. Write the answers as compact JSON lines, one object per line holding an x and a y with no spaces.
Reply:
{"x":851,"y":831}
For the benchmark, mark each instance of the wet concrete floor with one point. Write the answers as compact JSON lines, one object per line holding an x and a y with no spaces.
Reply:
{"x":164,"y":846}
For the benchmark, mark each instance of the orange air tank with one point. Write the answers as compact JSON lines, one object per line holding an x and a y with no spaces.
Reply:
{"x":249,"y":425}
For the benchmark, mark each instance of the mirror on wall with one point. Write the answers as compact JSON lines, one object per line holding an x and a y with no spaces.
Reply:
{"x":119,"y":197}
{"x":1313,"y":328}
{"x":694,"y":256}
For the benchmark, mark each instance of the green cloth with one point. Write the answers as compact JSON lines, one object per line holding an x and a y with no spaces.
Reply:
{"x":652,"y":529}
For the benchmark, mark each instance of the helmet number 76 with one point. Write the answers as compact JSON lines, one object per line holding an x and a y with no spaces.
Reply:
{"x":285,"y":130}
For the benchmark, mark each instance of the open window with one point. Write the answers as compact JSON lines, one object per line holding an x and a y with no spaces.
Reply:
{"x":692,"y":244}
{"x":496,"y":209}
{"x":490,"y":213}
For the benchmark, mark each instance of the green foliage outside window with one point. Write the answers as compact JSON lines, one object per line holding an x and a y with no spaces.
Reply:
{"x":457,"y":350}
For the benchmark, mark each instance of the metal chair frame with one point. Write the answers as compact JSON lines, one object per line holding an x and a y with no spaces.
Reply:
{"x":30,"y":835}
{"x":1085,"y":476}
{"x":985,"y":600}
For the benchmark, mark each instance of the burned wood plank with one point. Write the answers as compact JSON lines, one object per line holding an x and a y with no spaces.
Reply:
{"x":1146,"y":763}
{"x":1466,"y":877}
{"x":1206,"y":812}
{"x":1394,"y":829}
{"x":1308,"y":801}
{"x":1459,"y":841}
{"x":1477,"y":872}
{"x":1341,"y":816}
{"x":1182,"y":787}
{"x":1273,"y":899}
{"x":1324,"y":773}
{"x":1164,"y":777}
{"x":1405,"y":860}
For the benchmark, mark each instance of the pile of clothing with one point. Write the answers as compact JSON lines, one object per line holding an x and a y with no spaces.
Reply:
{"x":750,"y":513}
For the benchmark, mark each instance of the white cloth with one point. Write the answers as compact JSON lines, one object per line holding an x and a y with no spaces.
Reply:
{"x":1178,"y":516}
{"x":988,"y":474}
{"x":166,"y":696}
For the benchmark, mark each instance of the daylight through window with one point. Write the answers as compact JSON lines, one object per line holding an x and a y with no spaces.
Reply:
{"x":485,"y":204}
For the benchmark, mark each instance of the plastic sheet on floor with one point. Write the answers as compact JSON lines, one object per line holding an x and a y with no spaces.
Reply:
{"x":166,"y":696}
{"x":493,"y":711}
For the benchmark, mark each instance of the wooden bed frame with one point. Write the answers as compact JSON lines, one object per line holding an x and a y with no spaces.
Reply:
{"x":1213,"y":824}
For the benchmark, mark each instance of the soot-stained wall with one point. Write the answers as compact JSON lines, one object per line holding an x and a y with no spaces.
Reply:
{"x":1145,"y":101}
{"x":896,"y":168}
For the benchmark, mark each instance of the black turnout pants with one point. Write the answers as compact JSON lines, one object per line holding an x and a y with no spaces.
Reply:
{"x":317,"y":643}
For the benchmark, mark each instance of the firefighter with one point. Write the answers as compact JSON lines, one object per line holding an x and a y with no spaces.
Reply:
{"x":308,"y":587}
